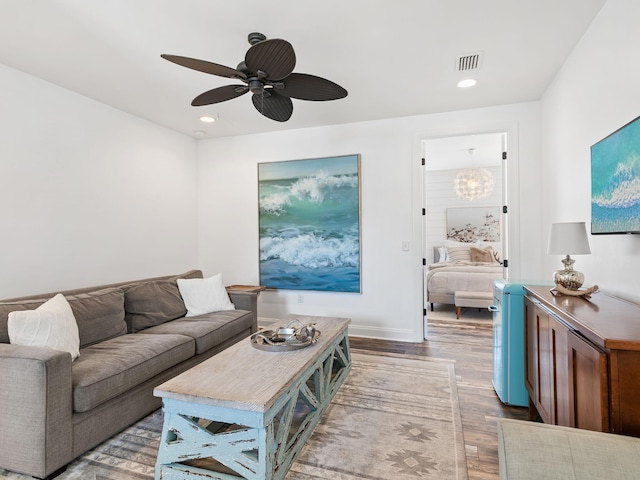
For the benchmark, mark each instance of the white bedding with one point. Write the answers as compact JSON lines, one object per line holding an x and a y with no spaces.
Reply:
{"x":445,"y":278}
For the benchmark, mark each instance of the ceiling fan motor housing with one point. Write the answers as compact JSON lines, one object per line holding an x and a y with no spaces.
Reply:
{"x":256,"y":37}
{"x":255,"y":85}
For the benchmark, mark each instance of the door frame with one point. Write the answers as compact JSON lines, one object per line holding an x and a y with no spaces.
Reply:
{"x":418,"y":195}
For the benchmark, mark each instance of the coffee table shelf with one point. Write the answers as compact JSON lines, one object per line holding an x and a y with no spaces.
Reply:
{"x":246,"y":413}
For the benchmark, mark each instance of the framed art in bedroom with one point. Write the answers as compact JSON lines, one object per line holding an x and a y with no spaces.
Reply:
{"x":309,"y":219}
{"x":472,"y":224}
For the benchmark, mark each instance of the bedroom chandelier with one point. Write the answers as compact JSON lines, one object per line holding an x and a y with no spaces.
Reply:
{"x":473,"y":183}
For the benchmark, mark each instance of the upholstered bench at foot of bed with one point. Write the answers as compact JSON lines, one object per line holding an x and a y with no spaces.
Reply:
{"x":472,"y":299}
{"x":537,"y":451}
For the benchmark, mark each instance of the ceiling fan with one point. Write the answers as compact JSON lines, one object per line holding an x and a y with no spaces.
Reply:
{"x":267,"y":73}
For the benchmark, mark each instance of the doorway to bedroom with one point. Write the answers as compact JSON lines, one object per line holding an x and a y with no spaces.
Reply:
{"x":465,"y":225}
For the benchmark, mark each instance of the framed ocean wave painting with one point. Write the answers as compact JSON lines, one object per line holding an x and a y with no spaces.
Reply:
{"x":310,"y":224}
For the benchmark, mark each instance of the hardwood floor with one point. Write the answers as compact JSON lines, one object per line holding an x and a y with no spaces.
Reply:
{"x":470,"y":345}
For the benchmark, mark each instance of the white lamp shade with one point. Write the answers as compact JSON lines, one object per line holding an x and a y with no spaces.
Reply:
{"x":568,"y":239}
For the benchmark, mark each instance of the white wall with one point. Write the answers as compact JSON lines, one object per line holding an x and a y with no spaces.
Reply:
{"x":595,"y":93}
{"x":390,"y":305}
{"x":89,"y":194}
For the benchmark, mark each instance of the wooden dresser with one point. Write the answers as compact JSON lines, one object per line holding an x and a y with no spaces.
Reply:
{"x":582,"y":365}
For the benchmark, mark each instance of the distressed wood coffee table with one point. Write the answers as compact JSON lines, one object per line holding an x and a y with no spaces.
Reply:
{"x":246,"y":413}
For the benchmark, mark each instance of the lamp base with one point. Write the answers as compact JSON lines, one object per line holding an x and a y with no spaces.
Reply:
{"x":568,"y":277}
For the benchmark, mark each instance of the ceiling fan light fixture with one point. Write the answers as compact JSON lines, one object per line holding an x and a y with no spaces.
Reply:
{"x":207,"y":119}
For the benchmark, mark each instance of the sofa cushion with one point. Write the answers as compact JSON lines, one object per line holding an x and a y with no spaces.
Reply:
{"x":538,"y":451}
{"x":149,"y":304}
{"x":208,"y":330}
{"x":100,"y":315}
{"x":107,"y":369}
{"x":51,"y":325}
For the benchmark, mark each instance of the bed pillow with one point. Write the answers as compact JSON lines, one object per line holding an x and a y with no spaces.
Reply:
{"x":51,"y":325}
{"x":204,"y":295}
{"x":453,"y":243}
{"x":496,"y":246}
{"x":481,"y":255}
{"x":459,"y":254}
{"x":443,"y":254}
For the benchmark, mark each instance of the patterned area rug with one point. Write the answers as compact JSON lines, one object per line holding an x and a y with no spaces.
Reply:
{"x":395,"y":418}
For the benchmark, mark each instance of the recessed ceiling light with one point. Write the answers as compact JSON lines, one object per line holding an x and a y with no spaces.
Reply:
{"x":207,"y":119}
{"x":467,"y":82}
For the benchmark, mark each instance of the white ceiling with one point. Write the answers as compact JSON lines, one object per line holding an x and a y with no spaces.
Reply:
{"x":465,"y":151}
{"x":395,"y":58}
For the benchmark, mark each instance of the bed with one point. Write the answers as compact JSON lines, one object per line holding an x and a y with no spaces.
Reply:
{"x":456,"y":270}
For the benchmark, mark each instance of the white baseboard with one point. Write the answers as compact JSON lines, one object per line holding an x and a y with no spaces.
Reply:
{"x":397,"y":334}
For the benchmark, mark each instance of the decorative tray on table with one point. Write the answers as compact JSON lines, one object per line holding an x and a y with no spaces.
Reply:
{"x":284,"y":339}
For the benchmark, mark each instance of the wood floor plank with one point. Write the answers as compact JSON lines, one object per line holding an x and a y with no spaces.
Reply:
{"x":469,"y":344}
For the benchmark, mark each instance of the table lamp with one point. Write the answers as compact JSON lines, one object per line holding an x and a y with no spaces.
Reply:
{"x":568,"y":239}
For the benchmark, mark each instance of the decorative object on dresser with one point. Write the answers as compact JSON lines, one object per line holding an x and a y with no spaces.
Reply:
{"x":568,"y":239}
{"x":582,"y":361}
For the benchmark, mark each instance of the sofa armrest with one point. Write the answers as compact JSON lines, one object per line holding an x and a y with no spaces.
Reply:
{"x":246,"y":301}
{"x":35,"y":409}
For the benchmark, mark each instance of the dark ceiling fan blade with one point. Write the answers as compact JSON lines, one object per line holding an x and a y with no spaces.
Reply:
{"x":204,"y":66}
{"x":273,"y":106}
{"x":309,"y":87}
{"x":220,"y":94}
{"x":275,"y":57}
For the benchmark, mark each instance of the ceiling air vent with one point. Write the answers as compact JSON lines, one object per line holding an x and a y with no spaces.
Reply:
{"x":466,"y":63}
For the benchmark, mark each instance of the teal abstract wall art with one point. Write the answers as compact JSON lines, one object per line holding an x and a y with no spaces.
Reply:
{"x":615,"y":181}
{"x":310,"y":224}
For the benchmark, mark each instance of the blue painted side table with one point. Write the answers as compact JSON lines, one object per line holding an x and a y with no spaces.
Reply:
{"x":246,"y":413}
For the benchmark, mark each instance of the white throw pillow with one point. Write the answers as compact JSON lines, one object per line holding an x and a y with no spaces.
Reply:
{"x":52,"y":325}
{"x":443,"y":254}
{"x":204,"y":295}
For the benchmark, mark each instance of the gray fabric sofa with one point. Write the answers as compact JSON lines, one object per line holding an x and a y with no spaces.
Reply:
{"x":133,"y":337}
